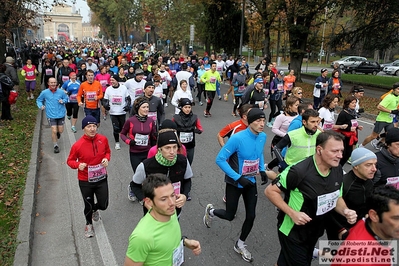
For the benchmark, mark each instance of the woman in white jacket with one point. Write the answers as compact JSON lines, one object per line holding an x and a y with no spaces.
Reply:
{"x":183,"y":93}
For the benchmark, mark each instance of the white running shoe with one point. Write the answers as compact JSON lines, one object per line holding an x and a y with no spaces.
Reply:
{"x":130,"y":194}
{"x":245,"y":254}
{"x":117,"y":146}
{"x":89,"y":231}
{"x":207,"y":217}
{"x":96,"y":216}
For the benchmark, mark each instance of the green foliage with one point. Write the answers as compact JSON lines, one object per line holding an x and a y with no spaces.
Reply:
{"x":374,"y":25}
{"x":15,"y":150}
{"x":223,"y":26}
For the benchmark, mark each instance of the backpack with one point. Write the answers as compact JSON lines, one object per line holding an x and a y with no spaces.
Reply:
{"x":6,"y":85}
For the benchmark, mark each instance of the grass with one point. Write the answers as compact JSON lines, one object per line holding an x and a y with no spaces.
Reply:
{"x":370,"y":80}
{"x":15,"y":151}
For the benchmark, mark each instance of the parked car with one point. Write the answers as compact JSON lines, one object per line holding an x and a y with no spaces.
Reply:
{"x":347,"y":61}
{"x":388,"y":64}
{"x":366,"y":67}
{"x":392,"y":70}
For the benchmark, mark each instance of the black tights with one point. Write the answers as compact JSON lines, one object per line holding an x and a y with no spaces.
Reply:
{"x":273,"y":105}
{"x":238,"y":100}
{"x":88,"y":190}
{"x":117,"y":123}
{"x":250,"y":197}
{"x":209,"y":102}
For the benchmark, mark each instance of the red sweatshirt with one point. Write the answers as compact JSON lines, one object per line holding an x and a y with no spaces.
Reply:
{"x":90,"y":151}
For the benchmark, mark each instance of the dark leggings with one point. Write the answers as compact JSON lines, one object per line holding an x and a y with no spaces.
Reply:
{"x":166,"y":92}
{"x":190,"y":155}
{"x":135,"y":160}
{"x":347,"y":152}
{"x":250,"y":197}
{"x":88,"y":190}
{"x":273,"y":105}
{"x":238,"y":100}
{"x":210,"y":95}
{"x":72,"y":109}
{"x":201,"y":89}
{"x":117,"y":123}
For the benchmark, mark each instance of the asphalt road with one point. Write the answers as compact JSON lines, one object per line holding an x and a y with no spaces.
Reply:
{"x":59,"y":222}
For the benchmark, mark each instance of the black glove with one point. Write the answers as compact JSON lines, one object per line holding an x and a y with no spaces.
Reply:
{"x":244,"y":182}
{"x":132,"y":142}
{"x":395,"y":112}
{"x":197,"y":131}
{"x":361,"y":110}
{"x":126,"y":108}
{"x":263,"y":177}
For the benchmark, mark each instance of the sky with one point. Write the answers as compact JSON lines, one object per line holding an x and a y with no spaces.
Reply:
{"x":80,"y":4}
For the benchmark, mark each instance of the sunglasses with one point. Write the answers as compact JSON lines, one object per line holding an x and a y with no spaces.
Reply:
{"x":299,"y":92}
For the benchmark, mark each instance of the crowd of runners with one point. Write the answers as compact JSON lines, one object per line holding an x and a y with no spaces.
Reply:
{"x":132,"y":85}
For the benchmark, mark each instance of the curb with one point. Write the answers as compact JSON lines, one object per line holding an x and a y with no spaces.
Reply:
{"x":22,"y":255}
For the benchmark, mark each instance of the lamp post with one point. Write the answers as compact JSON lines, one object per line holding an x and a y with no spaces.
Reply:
{"x":322,"y":39}
{"x":242,"y":28}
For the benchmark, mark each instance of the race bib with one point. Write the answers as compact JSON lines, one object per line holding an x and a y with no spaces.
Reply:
{"x":280,"y":87}
{"x":212,"y":80}
{"x":96,"y":172}
{"x":152,"y":115}
{"x":173,"y":72}
{"x":72,"y":98}
{"x":186,"y":137}
{"x":49,"y":72}
{"x":158,"y":94}
{"x":139,"y":92}
{"x":125,"y":71}
{"x":327,"y":202}
{"x":289,"y":85}
{"x":64,"y":78}
{"x":261,"y":104}
{"x":336,"y":86}
{"x":178,"y":254}
{"x":354,"y":123}
{"x":393,"y":181}
{"x":176,"y":187}
{"x":103,"y":83}
{"x":218,"y":69}
{"x":30,"y":73}
{"x":241,"y":88}
{"x":91,"y":96}
{"x":250,"y":167}
{"x":141,"y":140}
{"x":234,"y":74}
{"x":327,"y":125}
{"x":266,"y":91}
{"x":116,"y":100}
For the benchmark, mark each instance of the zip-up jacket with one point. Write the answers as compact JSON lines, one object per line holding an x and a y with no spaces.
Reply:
{"x":90,"y":151}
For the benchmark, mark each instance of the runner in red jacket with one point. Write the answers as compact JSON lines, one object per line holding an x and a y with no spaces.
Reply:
{"x":90,"y":155}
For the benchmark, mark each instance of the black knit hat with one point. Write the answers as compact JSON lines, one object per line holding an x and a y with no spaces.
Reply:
{"x":184,"y":101}
{"x":254,"y":114}
{"x":167,"y":137}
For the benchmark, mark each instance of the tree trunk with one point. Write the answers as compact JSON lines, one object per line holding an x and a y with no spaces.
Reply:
{"x":298,"y":39}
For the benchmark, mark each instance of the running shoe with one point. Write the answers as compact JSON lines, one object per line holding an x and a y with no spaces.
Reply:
{"x":206,"y":114}
{"x":225,"y":97}
{"x":56,"y":149}
{"x":28,"y":98}
{"x":234,"y":101}
{"x":189,"y":197}
{"x":73,"y":128}
{"x":130,"y":194}
{"x":245,"y":254}
{"x":89,"y":230}
{"x":269,"y":124}
{"x":96,"y":216}
{"x":219,"y":97}
{"x":117,"y":146}
{"x":58,"y":135}
{"x":69,"y":117}
{"x":31,"y":96}
{"x":207,"y":217}
{"x":375,"y":143}
{"x":224,"y":198}
{"x":380,"y":145}
{"x":201,"y":103}
{"x":105,"y":117}
{"x":166,"y":105}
